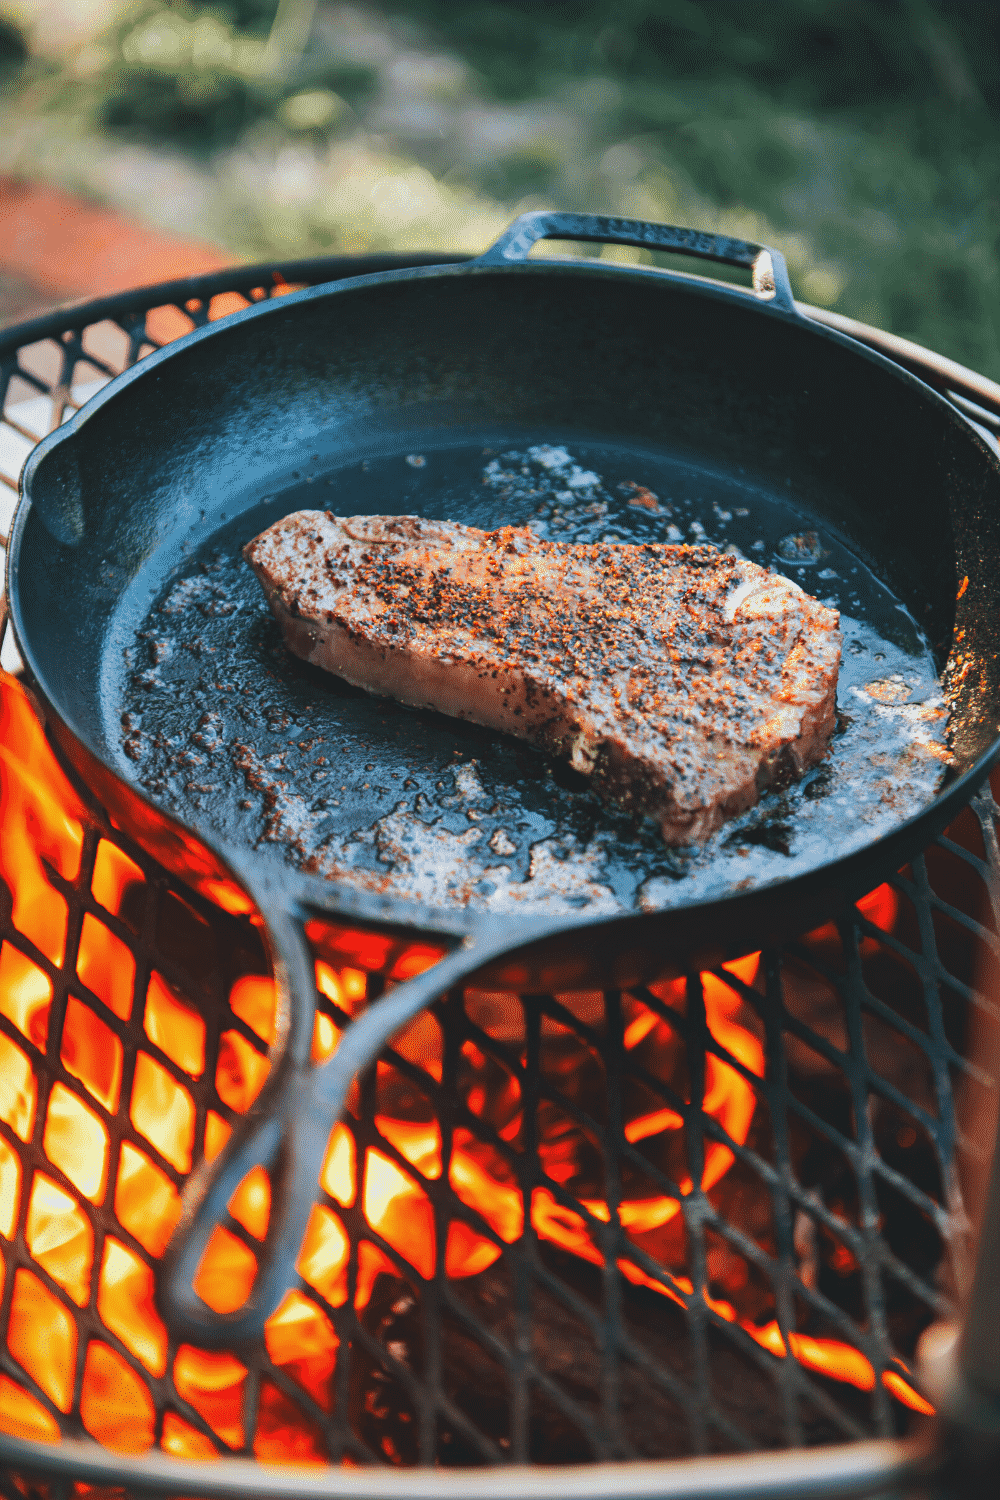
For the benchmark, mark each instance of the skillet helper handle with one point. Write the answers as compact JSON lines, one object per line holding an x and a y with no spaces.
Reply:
{"x":287,"y":1132}
{"x":766,"y":266}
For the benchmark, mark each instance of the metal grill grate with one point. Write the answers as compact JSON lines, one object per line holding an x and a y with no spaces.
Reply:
{"x":388,"y":1351}
{"x":511,"y":1303}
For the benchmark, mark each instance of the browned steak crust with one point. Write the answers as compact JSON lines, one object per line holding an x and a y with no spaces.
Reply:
{"x":682,"y":679}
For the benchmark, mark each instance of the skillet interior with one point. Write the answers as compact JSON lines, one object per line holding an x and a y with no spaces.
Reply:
{"x":683,"y":388}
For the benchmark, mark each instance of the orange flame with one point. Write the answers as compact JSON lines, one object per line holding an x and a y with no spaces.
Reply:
{"x":398,"y":1209}
{"x":44,"y":826}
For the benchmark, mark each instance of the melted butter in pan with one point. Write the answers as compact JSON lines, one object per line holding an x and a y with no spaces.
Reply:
{"x":222,"y":725}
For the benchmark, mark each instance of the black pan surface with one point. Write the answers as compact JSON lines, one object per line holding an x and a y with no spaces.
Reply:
{"x":229,"y":730}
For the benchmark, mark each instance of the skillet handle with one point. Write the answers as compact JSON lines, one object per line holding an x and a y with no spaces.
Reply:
{"x":770,"y":274}
{"x":287,"y":1131}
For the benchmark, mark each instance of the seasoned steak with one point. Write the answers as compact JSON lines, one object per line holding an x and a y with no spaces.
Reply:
{"x":681,"y":679}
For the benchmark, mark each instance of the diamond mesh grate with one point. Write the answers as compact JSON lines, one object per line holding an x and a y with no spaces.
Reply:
{"x":433,"y":1318}
{"x":710,"y":1215}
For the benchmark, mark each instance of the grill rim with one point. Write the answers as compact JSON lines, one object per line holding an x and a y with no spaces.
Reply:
{"x":829,"y":1473}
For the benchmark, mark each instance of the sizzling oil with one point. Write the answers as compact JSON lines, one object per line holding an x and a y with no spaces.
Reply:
{"x":229,"y":730}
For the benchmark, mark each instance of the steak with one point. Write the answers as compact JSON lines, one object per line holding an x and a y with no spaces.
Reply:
{"x":682,"y":680}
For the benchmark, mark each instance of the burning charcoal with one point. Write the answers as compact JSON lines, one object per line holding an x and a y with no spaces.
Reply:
{"x":381,"y":1413}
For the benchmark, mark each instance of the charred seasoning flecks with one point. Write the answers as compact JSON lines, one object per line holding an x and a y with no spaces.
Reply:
{"x":683,"y":679}
{"x":424,"y":604}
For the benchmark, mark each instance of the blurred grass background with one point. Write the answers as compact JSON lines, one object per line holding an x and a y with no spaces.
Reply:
{"x":863,"y":139}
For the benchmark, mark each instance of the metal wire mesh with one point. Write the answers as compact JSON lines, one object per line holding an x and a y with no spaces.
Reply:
{"x":839,"y":1216}
{"x":473,"y":1287}
{"x":483,"y":1280}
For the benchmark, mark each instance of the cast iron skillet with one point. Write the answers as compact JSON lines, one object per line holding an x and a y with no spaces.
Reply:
{"x":198,"y":443}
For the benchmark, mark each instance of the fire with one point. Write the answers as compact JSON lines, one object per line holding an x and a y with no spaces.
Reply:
{"x":63,"y":1156}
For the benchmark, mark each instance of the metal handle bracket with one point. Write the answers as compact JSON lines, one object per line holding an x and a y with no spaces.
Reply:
{"x":287,"y":1132}
{"x":766,"y":266}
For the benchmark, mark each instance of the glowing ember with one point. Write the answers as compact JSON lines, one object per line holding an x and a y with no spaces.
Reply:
{"x":76,"y":1099}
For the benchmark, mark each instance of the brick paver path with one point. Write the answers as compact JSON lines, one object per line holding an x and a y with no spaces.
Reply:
{"x":55,"y":248}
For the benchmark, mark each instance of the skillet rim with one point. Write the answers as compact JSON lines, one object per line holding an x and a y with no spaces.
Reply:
{"x":264,"y":874}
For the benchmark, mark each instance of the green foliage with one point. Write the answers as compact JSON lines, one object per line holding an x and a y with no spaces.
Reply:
{"x":822,"y":53}
{"x":13,"y":47}
{"x":176,"y":75}
{"x":252,"y":16}
{"x":198,"y":76}
{"x":863,"y":139}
